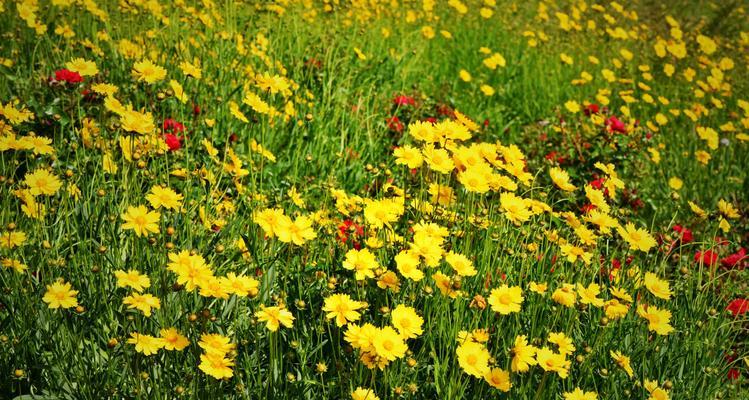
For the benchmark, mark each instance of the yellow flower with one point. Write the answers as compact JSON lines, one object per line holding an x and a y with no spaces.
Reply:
{"x":342,"y":308}
{"x":240,"y":285}
{"x":82,"y":67}
{"x":134,"y":121}
{"x":407,"y":321}
{"x":514,"y":207}
{"x":539,"y":288}
{"x":565,"y":295}
{"x":572,"y":106}
{"x":388,"y":344}
{"x":638,"y":239}
{"x":133,"y":279}
{"x":659,"y":320}
{"x":499,"y":379}
{"x":142,"y":302}
{"x":728,"y":210}
{"x":658,"y":287}
{"x":60,"y":295}
{"x":141,"y":220}
{"x":552,"y":362}
{"x":213,"y":343}
{"x":363,"y":262}
{"x":146,"y":344}
{"x":216,"y":366}
{"x":675,"y":183}
{"x":465,"y":76}
{"x":409,"y":156}
{"x":407,"y":263}
{"x":505,"y":299}
{"x":274,"y":317}
{"x":173,"y":340}
{"x":363,"y":394}
{"x":561,"y":179}
{"x":523,"y":355}
{"x":298,"y":232}
{"x":623,"y":362}
{"x":41,"y":182}
{"x":578,"y":394}
{"x":147,"y":71}
{"x":702,"y":156}
{"x":190,"y":69}
{"x":590,"y":294}
{"x":473,"y":358}
{"x":460,"y":263}
{"x":11,"y":240}
{"x":164,"y":197}
{"x":438,"y":159}
{"x":564,"y":343}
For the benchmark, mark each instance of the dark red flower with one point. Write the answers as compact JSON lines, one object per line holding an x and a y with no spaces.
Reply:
{"x":68,"y":76}
{"x":587,"y":208}
{"x":196,"y":109}
{"x":733,"y":374}
{"x":685,"y":235}
{"x":735,"y":260}
{"x":591,"y":109}
{"x":403,"y":100}
{"x":432,"y":120}
{"x":707,"y":257}
{"x":486,"y":123}
{"x":738,"y":307}
{"x":615,"y":125}
{"x":348,"y":229}
{"x":173,"y":141}
{"x":394,"y":124}
{"x":172,"y":126}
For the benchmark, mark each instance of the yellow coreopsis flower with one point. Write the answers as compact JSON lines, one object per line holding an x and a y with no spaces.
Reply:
{"x":60,"y":295}
{"x":638,"y":239}
{"x":506,"y":299}
{"x":173,"y":340}
{"x":342,"y":308}
{"x":142,"y":302}
{"x":658,"y":287}
{"x":407,"y":321}
{"x":42,"y":182}
{"x":133,"y":279}
{"x":146,"y":344}
{"x":473,"y":358}
{"x":274,"y":317}
{"x":164,"y":197}
{"x":82,"y":67}
{"x":147,"y":71}
{"x":623,"y":362}
{"x":141,"y":220}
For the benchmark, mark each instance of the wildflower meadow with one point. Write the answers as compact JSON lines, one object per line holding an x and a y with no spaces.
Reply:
{"x":374,"y":199}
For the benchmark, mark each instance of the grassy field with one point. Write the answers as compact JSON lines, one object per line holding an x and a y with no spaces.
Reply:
{"x":374,"y":199}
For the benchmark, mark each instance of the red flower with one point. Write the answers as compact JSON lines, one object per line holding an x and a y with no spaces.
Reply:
{"x":738,"y":307}
{"x":172,"y":126}
{"x":615,"y":125}
{"x":350,"y":230}
{"x":735,"y":260}
{"x":734,"y":374}
{"x":394,"y":124}
{"x":173,"y":141}
{"x":68,"y":76}
{"x":587,"y":208}
{"x":403,"y":100}
{"x":591,"y":109}
{"x":432,"y":120}
{"x":708,"y":257}
{"x":684,"y":233}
